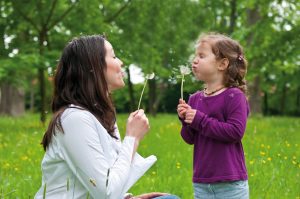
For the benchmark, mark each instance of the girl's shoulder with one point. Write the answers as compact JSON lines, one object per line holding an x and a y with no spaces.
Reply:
{"x":233,"y":91}
{"x":195,"y":95}
{"x":235,"y":96}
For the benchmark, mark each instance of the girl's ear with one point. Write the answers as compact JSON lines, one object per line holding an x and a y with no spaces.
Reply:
{"x":223,"y":64}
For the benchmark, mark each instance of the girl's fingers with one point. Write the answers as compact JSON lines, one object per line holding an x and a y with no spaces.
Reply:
{"x":181,"y":101}
{"x":186,"y":106}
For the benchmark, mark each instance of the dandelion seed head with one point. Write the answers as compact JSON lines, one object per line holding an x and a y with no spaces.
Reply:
{"x":184,"y":70}
{"x":150,"y":76}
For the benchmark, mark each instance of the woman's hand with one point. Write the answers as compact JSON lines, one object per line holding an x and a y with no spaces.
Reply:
{"x":149,"y":195}
{"x":137,"y":125}
{"x":182,"y":108}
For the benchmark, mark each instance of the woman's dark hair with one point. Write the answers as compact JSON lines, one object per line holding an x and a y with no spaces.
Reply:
{"x":225,"y":47}
{"x":79,"y":80}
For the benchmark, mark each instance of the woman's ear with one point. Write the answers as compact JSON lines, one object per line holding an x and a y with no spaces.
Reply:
{"x":223,"y":64}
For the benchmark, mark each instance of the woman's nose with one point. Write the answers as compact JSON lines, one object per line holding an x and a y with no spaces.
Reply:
{"x":121,"y":63}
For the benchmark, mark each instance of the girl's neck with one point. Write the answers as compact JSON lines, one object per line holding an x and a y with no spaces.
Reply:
{"x":213,"y":88}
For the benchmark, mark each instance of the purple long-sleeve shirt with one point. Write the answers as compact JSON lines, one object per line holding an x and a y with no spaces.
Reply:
{"x":216,"y":133}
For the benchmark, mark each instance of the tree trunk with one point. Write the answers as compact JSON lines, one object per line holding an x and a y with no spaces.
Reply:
{"x":283,"y":99}
{"x":233,"y":16}
{"x":31,"y":106}
{"x":12,"y":100}
{"x":266,"y":103}
{"x":152,"y":96}
{"x":255,"y":97}
{"x":41,"y":76}
{"x":253,"y":17}
{"x":131,"y":91}
{"x":298,"y":100}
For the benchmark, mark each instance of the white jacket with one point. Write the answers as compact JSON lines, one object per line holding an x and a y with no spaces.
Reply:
{"x":86,"y":160}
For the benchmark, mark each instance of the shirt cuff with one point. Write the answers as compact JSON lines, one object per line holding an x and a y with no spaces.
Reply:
{"x":182,"y":121}
{"x":196,"y":123}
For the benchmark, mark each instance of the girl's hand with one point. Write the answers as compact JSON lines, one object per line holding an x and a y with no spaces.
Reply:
{"x":181,"y":108}
{"x":190,"y":115}
{"x":137,"y":125}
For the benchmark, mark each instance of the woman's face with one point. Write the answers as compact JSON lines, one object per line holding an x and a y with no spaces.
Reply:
{"x":114,"y":74}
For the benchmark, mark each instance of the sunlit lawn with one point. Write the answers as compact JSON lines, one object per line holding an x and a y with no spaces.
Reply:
{"x":272,"y":147}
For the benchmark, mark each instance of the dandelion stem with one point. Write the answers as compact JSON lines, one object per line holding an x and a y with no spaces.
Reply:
{"x":182,"y":80}
{"x":44,"y":193}
{"x":142,"y":94}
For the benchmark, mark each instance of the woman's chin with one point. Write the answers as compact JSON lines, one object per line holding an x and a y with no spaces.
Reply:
{"x":119,"y":86}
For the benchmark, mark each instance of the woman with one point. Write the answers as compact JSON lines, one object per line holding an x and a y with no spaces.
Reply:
{"x":85,"y":157}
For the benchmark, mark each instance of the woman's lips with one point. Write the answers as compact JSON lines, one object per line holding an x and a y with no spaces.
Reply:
{"x":122,"y":74}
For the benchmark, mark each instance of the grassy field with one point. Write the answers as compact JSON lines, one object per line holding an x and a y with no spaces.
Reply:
{"x":272,"y":147}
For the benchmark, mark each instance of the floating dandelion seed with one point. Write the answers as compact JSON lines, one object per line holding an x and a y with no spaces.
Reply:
{"x":148,"y":76}
{"x":184,"y":70}
{"x":93,"y":182}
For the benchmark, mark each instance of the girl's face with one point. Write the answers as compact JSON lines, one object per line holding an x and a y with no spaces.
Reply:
{"x":114,"y":74}
{"x":205,"y":65}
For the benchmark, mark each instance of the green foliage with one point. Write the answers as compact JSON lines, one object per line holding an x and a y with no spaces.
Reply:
{"x":157,"y":36}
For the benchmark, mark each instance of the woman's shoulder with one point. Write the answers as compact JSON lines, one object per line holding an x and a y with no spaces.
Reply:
{"x":77,"y":113}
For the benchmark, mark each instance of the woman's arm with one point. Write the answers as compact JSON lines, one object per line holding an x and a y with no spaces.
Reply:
{"x":85,"y":156}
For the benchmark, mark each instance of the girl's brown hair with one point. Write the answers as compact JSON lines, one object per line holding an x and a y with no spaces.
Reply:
{"x":80,"y":80}
{"x":225,"y":47}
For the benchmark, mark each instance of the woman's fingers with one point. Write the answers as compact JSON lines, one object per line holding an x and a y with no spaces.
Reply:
{"x":150,"y":195}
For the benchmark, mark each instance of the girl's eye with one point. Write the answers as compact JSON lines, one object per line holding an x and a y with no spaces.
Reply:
{"x":201,"y":55}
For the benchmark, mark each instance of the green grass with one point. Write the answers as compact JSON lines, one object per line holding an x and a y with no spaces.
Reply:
{"x":272,"y":147}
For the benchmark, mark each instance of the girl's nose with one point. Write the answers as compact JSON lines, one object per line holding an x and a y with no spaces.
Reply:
{"x":195,"y":60}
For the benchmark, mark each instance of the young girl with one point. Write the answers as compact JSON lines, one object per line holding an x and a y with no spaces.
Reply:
{"x":214,"y":119}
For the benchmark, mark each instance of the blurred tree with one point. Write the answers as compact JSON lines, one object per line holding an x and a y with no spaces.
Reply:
{"x":157,"y":36}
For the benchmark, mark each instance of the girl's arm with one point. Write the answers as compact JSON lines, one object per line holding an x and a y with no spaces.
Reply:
{"x":231,"y":130}
{"x":187,"y":133}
